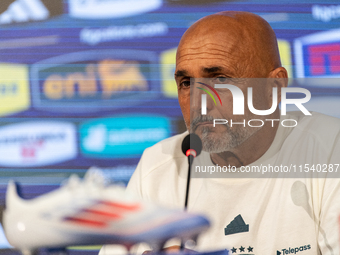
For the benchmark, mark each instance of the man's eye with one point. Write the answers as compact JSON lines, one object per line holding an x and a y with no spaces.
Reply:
{"x":221,"y":79}
{"x":185,"y":84}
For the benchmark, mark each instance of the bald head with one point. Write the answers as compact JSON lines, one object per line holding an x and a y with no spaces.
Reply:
{"x":244,"y":38}
{"x":222,"y":46}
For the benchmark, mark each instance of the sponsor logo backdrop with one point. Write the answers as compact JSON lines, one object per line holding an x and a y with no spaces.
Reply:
{"x":90,"y":82}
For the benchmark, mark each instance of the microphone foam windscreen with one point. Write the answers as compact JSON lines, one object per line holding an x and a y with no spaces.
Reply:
{"x":192,"y":141}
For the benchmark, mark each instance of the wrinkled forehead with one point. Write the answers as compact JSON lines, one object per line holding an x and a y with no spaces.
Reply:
{"x":216,"y":39}
{"x":213,"y":41}
{"x":215,"y":30}
{"x":211,"y":29}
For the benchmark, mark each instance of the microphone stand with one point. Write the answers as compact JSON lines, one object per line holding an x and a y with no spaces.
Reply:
{"x":190,"y":160}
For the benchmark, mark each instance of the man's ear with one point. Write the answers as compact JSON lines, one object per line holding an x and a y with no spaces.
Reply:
{"x":279,"y":72}
{"x":280,"y":80}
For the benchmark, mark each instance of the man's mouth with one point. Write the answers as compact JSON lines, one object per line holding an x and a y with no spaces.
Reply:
{"x":204,"y":123}
{"x":201,"y":121}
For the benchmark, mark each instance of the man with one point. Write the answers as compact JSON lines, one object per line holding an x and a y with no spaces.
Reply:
{"x":258,"y":215}
{"x":232,"y":45}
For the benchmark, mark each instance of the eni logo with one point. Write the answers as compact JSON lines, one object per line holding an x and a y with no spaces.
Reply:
{"x":104,"y":79}
{"x":204,"y":97}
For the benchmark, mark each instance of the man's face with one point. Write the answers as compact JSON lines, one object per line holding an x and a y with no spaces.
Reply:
{"x":212,"y":56}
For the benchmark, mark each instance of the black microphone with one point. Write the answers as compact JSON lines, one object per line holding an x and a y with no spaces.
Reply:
{"x":191,"y":147}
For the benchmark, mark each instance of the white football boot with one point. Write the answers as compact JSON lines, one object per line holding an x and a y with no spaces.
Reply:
{"x":91,"y":212}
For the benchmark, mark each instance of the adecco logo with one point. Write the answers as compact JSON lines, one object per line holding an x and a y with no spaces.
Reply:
{"x":37,"y":143}
{"x":94,"y":80}
{"x":99,"y":9}
{"x":122,"y":136}
{"x":14,"y":89}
